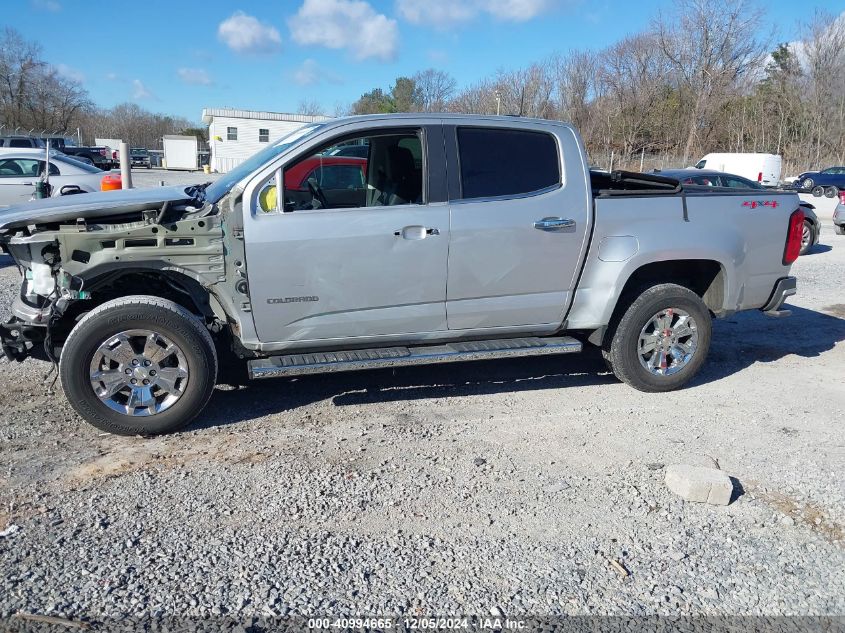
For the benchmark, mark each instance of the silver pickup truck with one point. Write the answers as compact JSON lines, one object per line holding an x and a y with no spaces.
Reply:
{"x":434,"y":238}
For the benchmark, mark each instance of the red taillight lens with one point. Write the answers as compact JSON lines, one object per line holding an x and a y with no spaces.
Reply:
{"x":760,"y":176}
{"x":793,"y":237}
{"x":842,"y":197}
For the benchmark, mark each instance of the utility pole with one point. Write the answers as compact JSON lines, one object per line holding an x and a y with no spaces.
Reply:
{"x":125,"y":166}
{"x":498,"y":103}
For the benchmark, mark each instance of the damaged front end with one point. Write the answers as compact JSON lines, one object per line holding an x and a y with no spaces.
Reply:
{"x":70,"y":254}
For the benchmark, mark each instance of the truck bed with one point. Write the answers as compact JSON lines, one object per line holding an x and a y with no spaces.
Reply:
{"x":626,"y":183}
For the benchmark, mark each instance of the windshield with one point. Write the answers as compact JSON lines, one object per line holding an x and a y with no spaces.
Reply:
{"x":222,"y":186}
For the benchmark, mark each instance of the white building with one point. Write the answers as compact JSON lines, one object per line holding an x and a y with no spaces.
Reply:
{"x":235,"y":135}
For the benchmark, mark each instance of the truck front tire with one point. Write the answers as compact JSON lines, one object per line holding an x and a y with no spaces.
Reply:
{"x":138,"y":365}
{"x":660,"y":340}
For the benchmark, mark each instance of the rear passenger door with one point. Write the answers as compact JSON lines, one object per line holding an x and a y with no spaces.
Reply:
{"x":520,"y":214}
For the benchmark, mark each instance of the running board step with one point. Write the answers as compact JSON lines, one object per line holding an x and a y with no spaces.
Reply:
{"x":324,"y":362}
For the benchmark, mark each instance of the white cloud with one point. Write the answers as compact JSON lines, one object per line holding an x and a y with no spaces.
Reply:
{"x":196,"y":76}
{"x":140,"y":91}
{"x":310,"y":73}
{"x":46,"y":5}
{"x":70,"y":73}
{"x":516,"y":10}
{"x":350,"y":24}
{"x":246,"y":34}
{"x":448,"y":13}
{"x":440,"y":13}
{"x":112,"y":76}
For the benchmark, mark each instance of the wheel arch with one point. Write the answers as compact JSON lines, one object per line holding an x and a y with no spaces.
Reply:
{"x":706,"y":277}
{"x":176,"y":285}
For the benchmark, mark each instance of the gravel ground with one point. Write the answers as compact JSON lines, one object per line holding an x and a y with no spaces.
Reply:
{"x":480,"y":488}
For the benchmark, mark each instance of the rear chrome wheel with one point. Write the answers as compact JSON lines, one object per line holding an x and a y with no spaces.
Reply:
{"x":668,"y":342}
{"x":139,"y":372}
{"x":658,"y":337}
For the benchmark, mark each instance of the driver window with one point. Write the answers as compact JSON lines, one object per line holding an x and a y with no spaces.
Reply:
{"x":370,"y":171}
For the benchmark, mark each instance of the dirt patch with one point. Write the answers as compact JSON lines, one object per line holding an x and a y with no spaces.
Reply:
{"x":159,"y":454}
{"x":802,"y":512}
{"x":837,"y":309}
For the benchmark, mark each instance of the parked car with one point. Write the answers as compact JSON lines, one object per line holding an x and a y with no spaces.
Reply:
{"x":839,"y":215}
{"x":828,"y":182}
{"x":140,"y":157}
{"x":56,"y":142}
{"x":474,"y":237}
{"x":100,"y":156}
{"x":21,"y":142}
{"x":20,"y":170}
{"x":339,"y":179}
{"x":762,"y":168}
{"x":358,"y":151}
{"x":812,"y":226}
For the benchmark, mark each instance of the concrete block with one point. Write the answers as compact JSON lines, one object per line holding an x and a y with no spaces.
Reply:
{"x":700,"y":484}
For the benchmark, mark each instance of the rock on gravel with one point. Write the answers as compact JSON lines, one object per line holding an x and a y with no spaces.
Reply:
{"x":699,"y":483}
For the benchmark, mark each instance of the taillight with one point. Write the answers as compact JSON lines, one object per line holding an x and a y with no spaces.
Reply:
{"x":760,"y":177}
{"x":793,"y":237}
{"x":842,"y":197}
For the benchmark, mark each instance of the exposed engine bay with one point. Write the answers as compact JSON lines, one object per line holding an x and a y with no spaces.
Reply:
{"x":165,"y":241}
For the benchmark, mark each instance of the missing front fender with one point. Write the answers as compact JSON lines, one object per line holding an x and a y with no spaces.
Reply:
{"x":21,"y":340}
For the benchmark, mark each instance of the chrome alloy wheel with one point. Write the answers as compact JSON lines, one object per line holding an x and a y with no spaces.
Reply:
{"x":668,"y":342}
{"x":139,"y":372}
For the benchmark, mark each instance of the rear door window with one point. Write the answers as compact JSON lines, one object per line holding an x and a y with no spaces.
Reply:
{"x":502,"y":162}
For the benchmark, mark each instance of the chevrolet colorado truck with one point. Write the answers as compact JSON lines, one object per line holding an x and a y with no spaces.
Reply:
{"x":457,"y":238}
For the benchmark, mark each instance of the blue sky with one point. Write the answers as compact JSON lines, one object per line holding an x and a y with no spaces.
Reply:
{"x":184,"y":55}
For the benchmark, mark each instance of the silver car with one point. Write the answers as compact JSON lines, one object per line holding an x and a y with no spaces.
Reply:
{"x":21,"y":169}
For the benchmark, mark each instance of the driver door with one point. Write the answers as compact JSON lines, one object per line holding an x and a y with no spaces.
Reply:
{"x":353,"y":263}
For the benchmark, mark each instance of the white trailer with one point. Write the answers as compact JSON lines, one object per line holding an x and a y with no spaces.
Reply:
{"x":764,"y":168}
{"x":180,"y":152}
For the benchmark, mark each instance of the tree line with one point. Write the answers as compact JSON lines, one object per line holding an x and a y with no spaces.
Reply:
{"x":36,"y":98}
{"x":695,"y":81}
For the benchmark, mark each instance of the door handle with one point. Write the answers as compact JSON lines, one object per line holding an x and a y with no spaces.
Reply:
{"x":554,"y":224}
{"x":416,"y":232}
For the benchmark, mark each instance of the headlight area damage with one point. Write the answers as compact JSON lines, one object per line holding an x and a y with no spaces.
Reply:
{"x":75,"y":253}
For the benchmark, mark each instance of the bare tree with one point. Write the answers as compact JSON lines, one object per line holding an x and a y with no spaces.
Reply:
{"x":709,"y":51}
{"x":823,"y":53}
{"x":309,"y":107}
{"x":434,"y":88}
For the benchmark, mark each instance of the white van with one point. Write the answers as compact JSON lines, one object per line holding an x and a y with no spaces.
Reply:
{"x":764,"y":168}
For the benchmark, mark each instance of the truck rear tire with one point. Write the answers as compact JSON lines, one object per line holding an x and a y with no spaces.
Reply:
{"x":808,"y":237}
{"x":660,"y":340}
{"x":138,"y":365}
